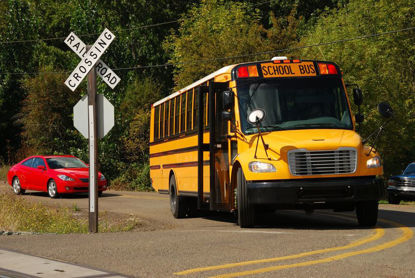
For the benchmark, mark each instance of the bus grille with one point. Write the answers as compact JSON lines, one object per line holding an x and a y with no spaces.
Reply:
{"x":306,"y":163}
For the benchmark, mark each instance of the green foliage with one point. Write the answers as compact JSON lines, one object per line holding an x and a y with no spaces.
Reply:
{"x":384,"y":67}
{"x":219,"y":33}
{"x":135,"y":177}
{"x":47,"y":114}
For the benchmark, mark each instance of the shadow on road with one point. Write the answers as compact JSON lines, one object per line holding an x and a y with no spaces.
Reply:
{"x":319,"y":220}
{"x":69,"y":196}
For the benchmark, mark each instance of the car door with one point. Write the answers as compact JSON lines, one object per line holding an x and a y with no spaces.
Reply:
{"x":38,"y":176}
{"x":24,"y":173}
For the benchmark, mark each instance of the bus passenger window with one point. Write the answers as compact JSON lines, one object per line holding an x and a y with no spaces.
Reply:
{"x":156,"y":122}
{"x":162,"y":121}
{"x":176,"y":114}
{"x":195,"y":112}
{"x":189,"y":111}
{"x":166,"y":120}
{"x":183,"y":113}
{"x":171,"y":117}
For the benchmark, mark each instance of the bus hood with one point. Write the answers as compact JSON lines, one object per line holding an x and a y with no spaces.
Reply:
{"x":280,"y":142}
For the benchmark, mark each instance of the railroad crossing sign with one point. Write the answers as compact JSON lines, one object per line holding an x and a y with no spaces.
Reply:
{"x":103,"y":70}
{"x":89,"y":59}
{"x":86,"y":112}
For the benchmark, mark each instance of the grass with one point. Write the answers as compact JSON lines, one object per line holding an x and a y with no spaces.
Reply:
{"x":20,"y":215}
{"x":3,"y":172}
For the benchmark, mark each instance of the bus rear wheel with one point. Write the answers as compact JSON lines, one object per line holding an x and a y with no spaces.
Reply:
{"x":177,"y":203}
{"x":246,"y":211}
{"x":367,"y":213}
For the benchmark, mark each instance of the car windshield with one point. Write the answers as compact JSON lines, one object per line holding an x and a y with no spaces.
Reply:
{"x":65,"y":162}
{"x":410,"y":170}
{"x":305,"y":103}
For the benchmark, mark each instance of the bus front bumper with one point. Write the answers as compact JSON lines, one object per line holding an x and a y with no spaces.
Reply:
{"x":315,"y":192}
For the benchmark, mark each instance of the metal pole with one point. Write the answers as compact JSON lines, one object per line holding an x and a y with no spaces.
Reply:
{"x":93,"y":150}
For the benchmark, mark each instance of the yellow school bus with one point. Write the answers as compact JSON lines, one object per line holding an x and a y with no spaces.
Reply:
{"x":276,"y":134}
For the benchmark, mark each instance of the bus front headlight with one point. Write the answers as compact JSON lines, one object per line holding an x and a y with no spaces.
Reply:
{"x":374,"y":162}
{"x":261,"y":167}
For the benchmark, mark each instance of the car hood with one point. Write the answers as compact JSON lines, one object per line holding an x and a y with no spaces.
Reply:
{"x":73,"y":172}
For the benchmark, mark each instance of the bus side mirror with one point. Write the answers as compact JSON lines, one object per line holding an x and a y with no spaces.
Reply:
{"x":385,"y":109}
{"x":357,"y":96}
{"x":226,"y":116}
{"x":228,"y":100}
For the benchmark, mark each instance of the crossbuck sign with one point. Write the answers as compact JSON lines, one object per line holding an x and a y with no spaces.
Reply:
{"x":90,"y":59}
{"x":87,"y":117}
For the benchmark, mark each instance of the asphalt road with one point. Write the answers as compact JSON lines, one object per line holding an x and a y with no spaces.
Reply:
{"x":284,"y":244}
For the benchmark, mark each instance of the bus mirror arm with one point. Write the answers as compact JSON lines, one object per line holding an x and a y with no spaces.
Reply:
{"x":387,"y":112}
{"x":255,"y":117}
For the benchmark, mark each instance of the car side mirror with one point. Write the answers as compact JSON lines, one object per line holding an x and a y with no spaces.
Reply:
{"x":40,"y":167}
{"x":357,"y":96}
{"x":385,"y":109}
{"x":228,"y":100}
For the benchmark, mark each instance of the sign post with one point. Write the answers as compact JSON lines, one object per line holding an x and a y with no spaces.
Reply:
{"x":88,"y":66}
{"x":93,"y":151}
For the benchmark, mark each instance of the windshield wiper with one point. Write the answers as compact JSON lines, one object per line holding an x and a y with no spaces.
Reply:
{"x":315,"y":125}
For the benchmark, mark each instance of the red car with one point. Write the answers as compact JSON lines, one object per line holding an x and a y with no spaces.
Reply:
{"x":57,"y":174}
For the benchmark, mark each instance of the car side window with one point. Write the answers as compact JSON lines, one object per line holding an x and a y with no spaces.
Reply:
{"x":410,"y":170}
{"x":38,"y":162}
{"x":28,"y":162}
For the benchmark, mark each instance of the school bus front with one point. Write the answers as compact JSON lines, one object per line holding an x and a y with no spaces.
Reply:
{"x":296,"y":142}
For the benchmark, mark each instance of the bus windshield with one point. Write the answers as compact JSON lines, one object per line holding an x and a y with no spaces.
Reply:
{"x":306,"y":103}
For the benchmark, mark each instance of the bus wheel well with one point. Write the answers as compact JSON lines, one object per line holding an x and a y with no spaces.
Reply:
{"x":170,"y":175}
{"x":234,"y":185}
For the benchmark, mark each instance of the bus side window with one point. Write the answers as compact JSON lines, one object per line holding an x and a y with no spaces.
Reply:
{"x":205,"y":111}
{"x":189,"y":111}
{"x":156,"y":122}
{"x":171,"y":117}
{"x":176,"y":116}
{"x":183,"y":113}
{"x":162,"y":121}
{"x":196,"y":111}
{"x":166,"y":119}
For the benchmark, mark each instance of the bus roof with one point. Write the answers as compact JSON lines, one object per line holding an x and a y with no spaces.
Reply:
{"x":268,"y":69}
{"x":197,"y":83}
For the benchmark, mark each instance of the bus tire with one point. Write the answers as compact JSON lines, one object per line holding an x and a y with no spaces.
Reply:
{"x":177,"y":203}
{"x":367,"y":213}
{"x":245,"y":210}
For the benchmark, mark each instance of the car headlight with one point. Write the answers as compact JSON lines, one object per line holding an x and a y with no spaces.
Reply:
{"x":65,"y":178}
{"x":261,"y":167}
{"x":102,"y":177}
{"x":374,"y":162}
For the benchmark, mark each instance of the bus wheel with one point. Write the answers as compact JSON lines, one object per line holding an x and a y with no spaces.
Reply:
{"x":177,"y":203}
{"x":367,"y":213}
{"x":245,"y":210}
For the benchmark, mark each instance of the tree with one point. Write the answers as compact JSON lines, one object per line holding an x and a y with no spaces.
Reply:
{"x":47,"y":114}
{"x":17,"y":23}
{"x":217,"y":33}
{"x":383,"y":66}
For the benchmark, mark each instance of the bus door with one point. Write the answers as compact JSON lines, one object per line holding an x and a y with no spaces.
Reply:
{"x":218,"y":147}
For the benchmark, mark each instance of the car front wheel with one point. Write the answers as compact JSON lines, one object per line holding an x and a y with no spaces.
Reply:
{"x":17,"y":188}
{"x":52,"y":189}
